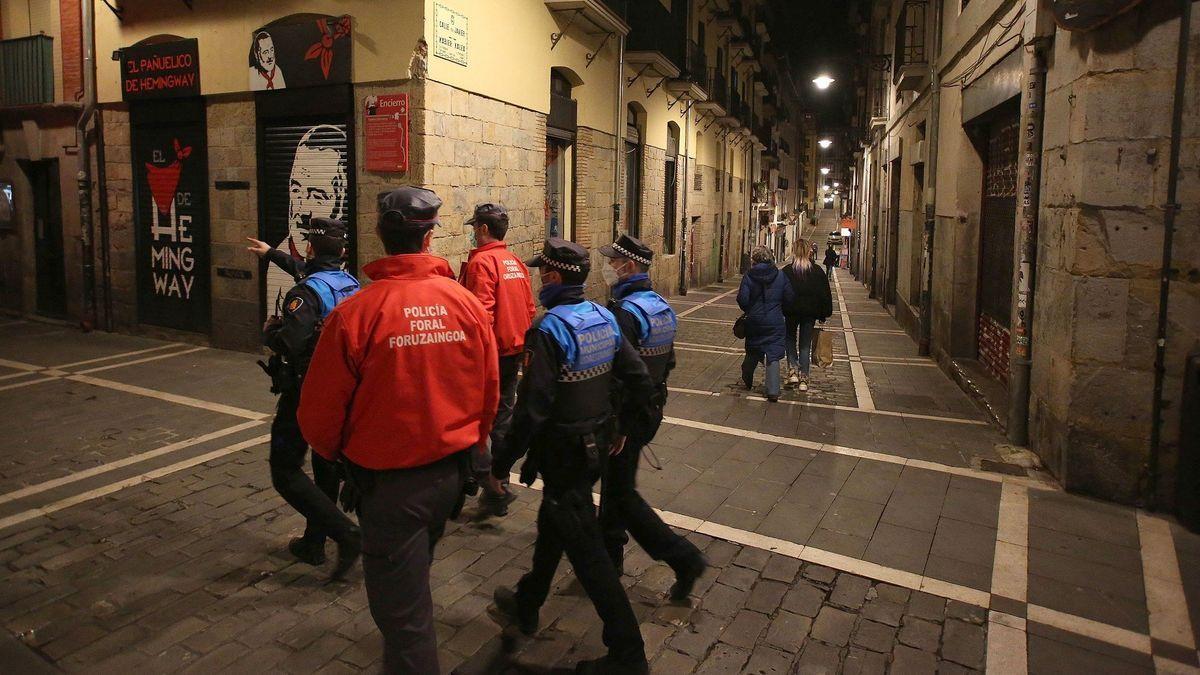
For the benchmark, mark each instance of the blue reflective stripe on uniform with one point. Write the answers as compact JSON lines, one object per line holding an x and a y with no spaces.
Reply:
{"x":655,"y":317}
{"x":587,"y":333}
{"x":331,"y":287}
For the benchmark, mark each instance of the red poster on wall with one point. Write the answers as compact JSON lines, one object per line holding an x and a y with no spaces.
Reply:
{"x":386,"y":122}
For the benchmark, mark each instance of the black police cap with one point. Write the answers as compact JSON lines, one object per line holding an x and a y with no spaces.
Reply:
{"x":489,"y":213}
{"x":628,"y":247}
{"x":325,"y":227}
{"x":409,"y":206}
{"x":562,"y":255}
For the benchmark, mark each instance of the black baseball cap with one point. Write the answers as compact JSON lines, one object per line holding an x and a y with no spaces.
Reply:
{"x":409,"y":206}
{"x":628,"y":247}
{"x":562,"y":255}
{"x":325,"y":227}
{"x":494,"y":214}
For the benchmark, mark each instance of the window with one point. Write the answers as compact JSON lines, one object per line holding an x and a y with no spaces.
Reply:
{"x":560,"y":156}
{"x":633,"y":171}
{"x":698,"y":182}
{"x":910,"y":37}
{"x":670,"y":190}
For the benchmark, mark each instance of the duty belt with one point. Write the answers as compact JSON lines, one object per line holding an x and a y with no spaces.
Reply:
{"x":654,"y":351}
{"x":581,"y":375}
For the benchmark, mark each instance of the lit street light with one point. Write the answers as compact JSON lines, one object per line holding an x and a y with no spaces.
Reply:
{"x":825,"y":143}
{"x":823,"y":81}
{"x":837,"y":185}
{"x":824,"y":171}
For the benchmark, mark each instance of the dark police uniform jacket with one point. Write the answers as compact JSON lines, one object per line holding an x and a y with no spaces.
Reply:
{"x":573,"y":354}
{"x":321,"y":285}
{"x":649,"y":324}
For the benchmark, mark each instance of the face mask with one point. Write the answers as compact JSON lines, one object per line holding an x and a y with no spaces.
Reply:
{"x":548,"y":293}
{"x":611,"y":276}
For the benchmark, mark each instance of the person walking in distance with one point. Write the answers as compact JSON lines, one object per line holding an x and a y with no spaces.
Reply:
{"x":291,"y":336}
{"x":403,"y":384}
{"x":574,"y":357}
{"x":811,"y":302}
{"x":649,"y":323}
{"x":831,"y":260}
{"x":763,"y":294}
{"x":501,"y":282}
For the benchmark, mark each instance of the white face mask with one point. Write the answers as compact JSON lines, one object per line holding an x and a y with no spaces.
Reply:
{"x":611,"y":276}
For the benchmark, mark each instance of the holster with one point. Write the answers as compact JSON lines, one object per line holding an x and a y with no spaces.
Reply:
{"x":591,"y":451}
{"x":283,"y":377}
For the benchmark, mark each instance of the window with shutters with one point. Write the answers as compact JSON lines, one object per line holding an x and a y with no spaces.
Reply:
{"x":670,"y":189}
{"x":633,"y":170}
{"x":910,"y":37}
{"x":698,"y":182}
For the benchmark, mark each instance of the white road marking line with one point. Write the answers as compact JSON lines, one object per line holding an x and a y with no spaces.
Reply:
{"x":18,"y":365}
{"x":1113,"y":635}
{"x":1007,"y":647}
{"x":117,"y":356}
{"x":27,"y":383}
{"x":172,"y":398}
{"x":846,"y":408}
{"x":143,"y":360}
{"x":61,"y":504}
{"x":861,"y":390}
{"x":1007,"y":644}
{"x":715,"y":322}
{"x":14,"y":322}
{"x":134,"y":459}
{"x":862,"y":454}
{"x":698,"y":392}
{"x":1165,"y":599}
{"x":13,"y":376}
{"x":706,"y":303}
{"x":707,"y":351}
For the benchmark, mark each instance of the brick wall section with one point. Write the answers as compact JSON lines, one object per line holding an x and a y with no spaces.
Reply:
{"x":477,"y":149}
{"x":993,"y":347}
{"x":70,"y":40}
{"x":233,"y":216}
{"x":593,"y":187}
{"x":119,"y":188}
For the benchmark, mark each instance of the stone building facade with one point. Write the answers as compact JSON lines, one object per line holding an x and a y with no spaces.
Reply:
{"x":1096,"y":275}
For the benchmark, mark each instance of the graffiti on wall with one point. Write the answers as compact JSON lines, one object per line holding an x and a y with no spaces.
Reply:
{"x":300,"y":53}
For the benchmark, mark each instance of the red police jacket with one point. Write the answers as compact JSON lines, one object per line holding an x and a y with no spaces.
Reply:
{"x":501,"y":282}
{"x":405,"y":372}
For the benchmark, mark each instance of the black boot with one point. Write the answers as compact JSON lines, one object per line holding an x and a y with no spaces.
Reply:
{"x":507,"y":603}
{"x":349,"y":551}
{"x":687,"y":571}
{"x":308,"y":551}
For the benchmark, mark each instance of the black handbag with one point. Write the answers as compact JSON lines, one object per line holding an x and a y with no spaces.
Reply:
{"x":739,"y":324}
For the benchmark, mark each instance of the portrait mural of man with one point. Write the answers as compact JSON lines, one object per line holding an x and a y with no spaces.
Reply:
{"x":317,"y":186}
{"x":265,"y":72}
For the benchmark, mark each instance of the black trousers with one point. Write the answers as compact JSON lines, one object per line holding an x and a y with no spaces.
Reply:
{"x":403,"y":514}
{"x":567,"y":524}
{"x":510,"y":368}
{"x":622,"y":509}
{"x":317,"y":501}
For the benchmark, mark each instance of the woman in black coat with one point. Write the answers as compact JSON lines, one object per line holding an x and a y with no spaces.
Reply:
{"x":763,"y":295}
{"x":811,"y":302}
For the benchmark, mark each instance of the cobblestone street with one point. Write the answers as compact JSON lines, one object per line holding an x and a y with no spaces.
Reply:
{"x":877,"y":523}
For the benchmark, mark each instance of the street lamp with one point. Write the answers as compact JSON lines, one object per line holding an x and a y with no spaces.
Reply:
{"x":837,"y":184}
{"x":825,"y":143}
{"x":823,"y":81}
{"x":824,"y":171}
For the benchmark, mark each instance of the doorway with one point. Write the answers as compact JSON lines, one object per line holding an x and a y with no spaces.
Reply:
{"x":893,"y":237}
{"x":48,"y":237}
{"x":1001,"y":146}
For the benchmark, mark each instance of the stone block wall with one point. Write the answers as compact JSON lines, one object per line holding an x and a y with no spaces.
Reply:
{"x":371,"y":183}
{"x":1107,"y":143}
{"x":118,"y":164}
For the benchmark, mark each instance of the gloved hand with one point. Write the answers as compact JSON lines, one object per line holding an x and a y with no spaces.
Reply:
{"x":349,"y":498}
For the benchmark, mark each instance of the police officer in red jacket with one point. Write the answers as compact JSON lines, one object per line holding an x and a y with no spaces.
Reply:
{"x":649,"y":324}
{"x":403,"y":384}
{"x":575,"y":356}
{"x":501,"y":282}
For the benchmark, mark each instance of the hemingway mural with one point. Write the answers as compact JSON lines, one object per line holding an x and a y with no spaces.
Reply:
{"x":300,"y":51}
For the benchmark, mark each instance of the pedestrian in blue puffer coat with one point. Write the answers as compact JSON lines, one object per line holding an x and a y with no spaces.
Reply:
{"x":763,"y":295}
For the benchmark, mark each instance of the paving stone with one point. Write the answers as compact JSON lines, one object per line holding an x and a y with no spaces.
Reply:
{"x":766,"y":596}
{"x":804,"y":599}
{"x":964,"y":643}
{"x":819,"y":658}
{"x":671,"y":661}
{"x":951,"y":668}
{"x":876,"y":637}
{"x":862,"y":662}
{"x":738,"y":577}
{"x":765,"y":660}
{"x":909,"y":661}
{"x":820,"y":573}
{"x":697,"y":637}
{"x":833,"y":626}
{"x":724,"y":601}
{"x":850,"y":591}
{"x":788,"y":631}
{"x":891,"y":593}
{"x":781,"y":568}
{"x":745,"y":629}
{"x":754,"y":558}
{"x":920,"y":633}
{"x":883,"y":611}
{"x":966,"y":612}
{"x":927,"y":606}
{"x":724,"y":660}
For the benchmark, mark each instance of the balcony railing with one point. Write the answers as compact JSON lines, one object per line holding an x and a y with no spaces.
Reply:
{"x":718,"y":87}
{"x":27,"y":70}
{"x":696,"y":68}
{"x":654,"y":28}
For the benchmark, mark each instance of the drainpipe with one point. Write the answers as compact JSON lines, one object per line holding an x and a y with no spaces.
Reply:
{"x":1170,"y":210}
{"x":1029,"y":177}
{"x":683,"y":228}
{"x":619,"y":138}
{"x":102,"y":189}
{"x":931,"y":166}
{"x":87,"y":317}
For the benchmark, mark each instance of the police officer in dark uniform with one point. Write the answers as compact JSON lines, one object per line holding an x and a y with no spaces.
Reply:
{"x":574,"y":357}
{"x":292,"y":336}
{"x":649,"y":324}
